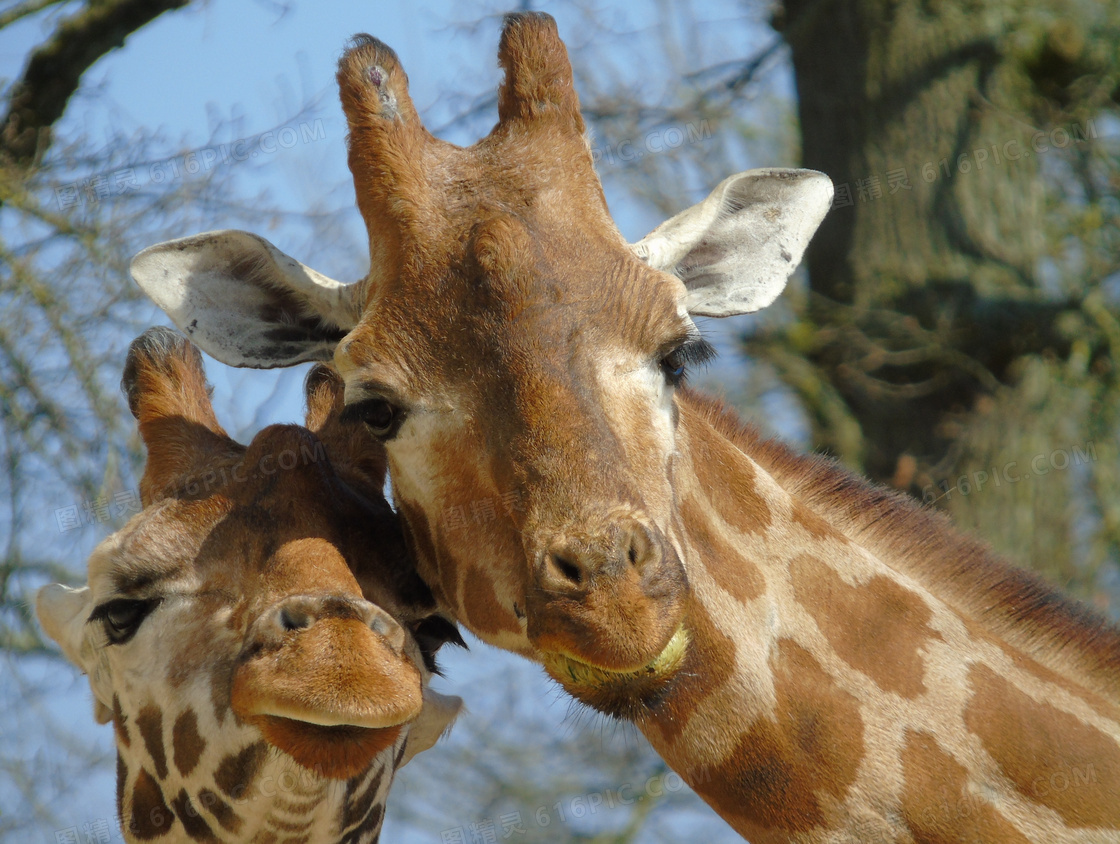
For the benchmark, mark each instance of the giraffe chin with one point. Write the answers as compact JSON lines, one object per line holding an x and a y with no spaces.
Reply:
{"x":337,"y":752}
{"x":620,"y":694}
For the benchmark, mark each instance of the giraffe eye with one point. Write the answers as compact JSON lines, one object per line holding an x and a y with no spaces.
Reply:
{"x":122,"y":617}
{"x":379,"y":415}
{"x":673,"y":367}
{"x":674,"y":364}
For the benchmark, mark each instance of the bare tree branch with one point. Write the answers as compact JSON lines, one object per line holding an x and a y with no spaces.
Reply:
{"x":38,"y":99}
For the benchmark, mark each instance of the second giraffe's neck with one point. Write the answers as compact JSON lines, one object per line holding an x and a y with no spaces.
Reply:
{"x":819,"y":669}
{"x":256,"y":794}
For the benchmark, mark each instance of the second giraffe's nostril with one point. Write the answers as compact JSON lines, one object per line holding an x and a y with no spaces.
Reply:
{"x":294,"y":619}
{"x":567,"y":569}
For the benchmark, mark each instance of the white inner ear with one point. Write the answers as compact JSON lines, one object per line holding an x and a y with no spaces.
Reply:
{"x":735,"y":250}
{"x":244,"y":301}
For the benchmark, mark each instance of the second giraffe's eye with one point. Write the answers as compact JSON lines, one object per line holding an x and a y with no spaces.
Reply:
{"x":379,"y":415}
{"x":121,"y":618}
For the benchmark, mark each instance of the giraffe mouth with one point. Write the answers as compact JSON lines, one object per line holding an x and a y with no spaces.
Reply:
{"x":335,"y":752}
{"x":577,"y":675}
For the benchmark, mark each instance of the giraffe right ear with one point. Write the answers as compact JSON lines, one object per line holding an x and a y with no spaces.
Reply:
{"x":246,"y":303}
{"x":63,"y":612}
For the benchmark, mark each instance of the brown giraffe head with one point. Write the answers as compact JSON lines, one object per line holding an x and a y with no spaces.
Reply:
{"x":515,"y":355}
{"x":261,"y":599}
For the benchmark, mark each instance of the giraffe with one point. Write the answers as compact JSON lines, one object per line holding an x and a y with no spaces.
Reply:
{"x":260,"y":689}
{"x":820,"y":659}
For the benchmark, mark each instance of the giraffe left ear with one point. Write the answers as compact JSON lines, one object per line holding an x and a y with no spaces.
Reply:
{"x":736,"y":249}
{"x":246,"y":303}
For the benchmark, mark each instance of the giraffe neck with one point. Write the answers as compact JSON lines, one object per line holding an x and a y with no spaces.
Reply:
{"x":173,"y":785}
{"x":830,"y":691}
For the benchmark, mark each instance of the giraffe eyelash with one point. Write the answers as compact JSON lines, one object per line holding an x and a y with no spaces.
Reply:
{"x":692,"y":351}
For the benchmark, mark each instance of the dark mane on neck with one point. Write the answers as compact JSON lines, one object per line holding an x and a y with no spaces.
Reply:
{"x":1013,"y":603}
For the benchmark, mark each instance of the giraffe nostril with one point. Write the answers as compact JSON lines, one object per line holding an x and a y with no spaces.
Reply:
{"x":567,"y":569}
{"x":294,"y":619}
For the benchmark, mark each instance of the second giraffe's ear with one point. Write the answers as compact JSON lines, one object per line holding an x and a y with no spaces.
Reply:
{"x":435,"y":719}
{"x":736,"y":249}
{"x":245,"y":302}
{"x":62,"y":612}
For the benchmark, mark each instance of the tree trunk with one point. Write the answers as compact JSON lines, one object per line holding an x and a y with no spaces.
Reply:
{"x":929,"y":291}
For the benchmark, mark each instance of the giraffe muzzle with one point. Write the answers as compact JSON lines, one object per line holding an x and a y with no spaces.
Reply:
{"x":612,"y":599}
{"x":326,"y":680}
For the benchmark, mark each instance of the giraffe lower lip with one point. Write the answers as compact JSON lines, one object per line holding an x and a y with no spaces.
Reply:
{"x":337,"y":752}
{"x":569,"y":670}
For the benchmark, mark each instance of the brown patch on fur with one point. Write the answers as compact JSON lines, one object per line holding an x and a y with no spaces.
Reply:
{"x":815,"y":743}
{"x":150,"y":724}
{"x":150,"y":817}
{"x":733,"y":494}
{"x":236,"y":772}
{"x":1057,"y":631}
{"x":728,"y":567}
{"x":355,"y":804}
{"x":186,"y":743}
{"x":1035,"y":744}
{"x":373,"y":820}
{"x":484,"y":612}
{"x":220,"y":809}
{"x":936,"y":805}
{"x":191,"y":818}
{"x":122,"y":781}
{"x":879,"y":628}
{"x":1098,"y":704}
{"x":120,"y":723}
{"x":817,"y":527}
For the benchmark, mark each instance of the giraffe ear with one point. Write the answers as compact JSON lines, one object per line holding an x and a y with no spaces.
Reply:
{"x":63,"y":612}
{"x":436,"y":717}
{"x":246,"y":303}
{"x":736,"y":249}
